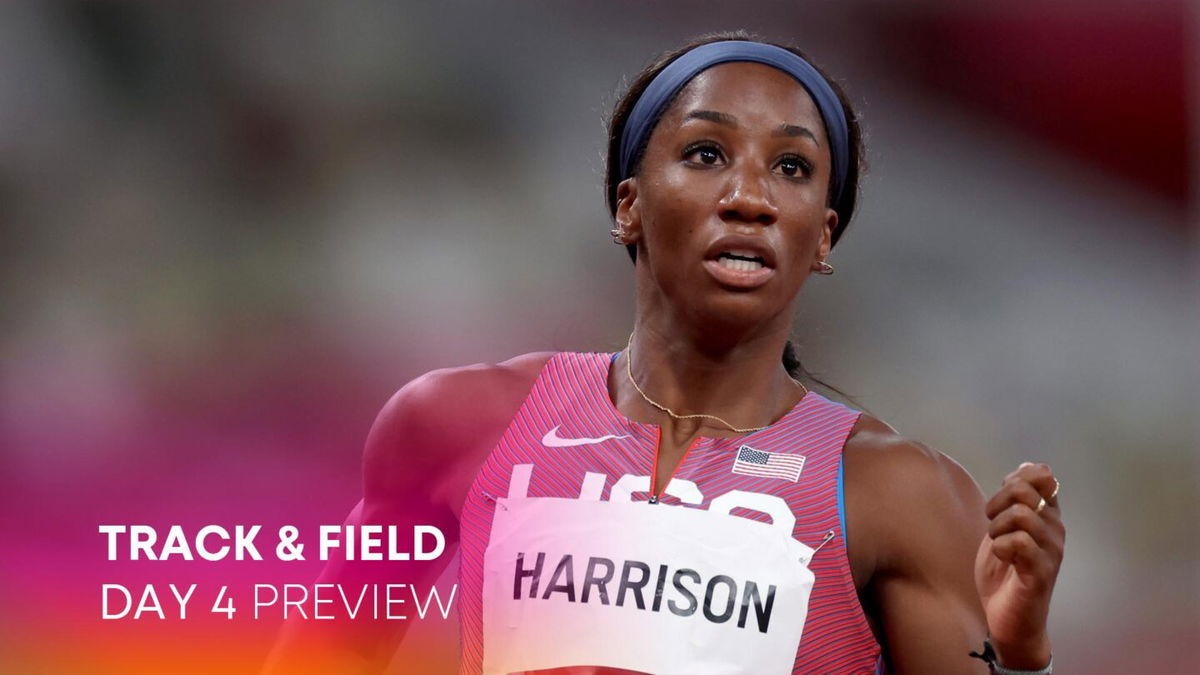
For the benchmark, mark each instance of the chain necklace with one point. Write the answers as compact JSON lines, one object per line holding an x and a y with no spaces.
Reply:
{"x":672,"y":413}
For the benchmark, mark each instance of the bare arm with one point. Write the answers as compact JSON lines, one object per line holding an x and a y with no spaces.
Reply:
{"x":420,"y":457}
{"x":397,"y":483}
{"x":917,"y":527}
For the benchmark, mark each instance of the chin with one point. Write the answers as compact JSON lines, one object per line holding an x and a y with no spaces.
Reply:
{"x":738,"y":309}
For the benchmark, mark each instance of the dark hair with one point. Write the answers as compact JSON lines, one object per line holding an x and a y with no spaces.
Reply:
{"x":620,"y":117}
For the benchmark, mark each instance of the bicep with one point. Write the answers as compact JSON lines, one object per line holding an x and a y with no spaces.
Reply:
{"x":922,"y":591}
{"x":406,"y":453}
{"x":931,"y":627}
{"x":403,"y":459}
{"x":396,"y":506}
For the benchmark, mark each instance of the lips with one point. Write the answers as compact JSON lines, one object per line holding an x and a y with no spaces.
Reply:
{"x":744,"y":261}
{"x":742,"y":247}
{"x":740,"y":262}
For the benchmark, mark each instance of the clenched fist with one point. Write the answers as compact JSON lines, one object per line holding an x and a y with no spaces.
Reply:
{"x":1018,"y":563}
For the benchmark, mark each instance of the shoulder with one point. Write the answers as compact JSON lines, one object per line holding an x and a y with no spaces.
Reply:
{"x":449,"y":395}
{"x":901,"y":495}
{"x":887,"y":460}
{"x":445,"y":415}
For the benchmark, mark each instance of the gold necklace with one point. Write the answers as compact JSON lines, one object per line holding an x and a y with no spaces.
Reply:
{"x":672,"y":413}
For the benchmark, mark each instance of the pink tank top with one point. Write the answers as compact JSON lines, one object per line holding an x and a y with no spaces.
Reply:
{"x":570,"y":566}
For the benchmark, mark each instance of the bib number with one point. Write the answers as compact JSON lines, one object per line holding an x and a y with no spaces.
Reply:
{"x":652,"y":588}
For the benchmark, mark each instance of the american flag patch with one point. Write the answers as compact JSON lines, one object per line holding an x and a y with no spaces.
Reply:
{"x":751,"y":462}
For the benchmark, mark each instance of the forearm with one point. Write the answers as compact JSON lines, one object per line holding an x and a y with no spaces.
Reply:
{"x":304,"y":649}
{"x":355,"y":639}
{"x":927,"y":631}
{"x":1033,"y":654}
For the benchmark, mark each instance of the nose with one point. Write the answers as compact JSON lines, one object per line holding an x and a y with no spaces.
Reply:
{"x":748,"y":199}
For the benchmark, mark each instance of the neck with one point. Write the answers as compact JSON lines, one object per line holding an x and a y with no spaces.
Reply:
{"x":737,"y":376}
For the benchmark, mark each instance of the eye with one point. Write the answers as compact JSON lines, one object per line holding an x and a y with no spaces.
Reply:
{"x":706,"y":153}
{"x":794,"y":166}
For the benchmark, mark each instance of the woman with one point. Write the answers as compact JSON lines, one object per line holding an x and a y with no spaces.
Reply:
{"x":687,"y":505}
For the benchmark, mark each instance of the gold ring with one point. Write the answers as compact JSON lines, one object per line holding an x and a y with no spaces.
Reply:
{"x":1054,"y":494}
{"x":1041,"y":505}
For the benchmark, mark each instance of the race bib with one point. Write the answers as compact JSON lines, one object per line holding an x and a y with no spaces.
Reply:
{"x":643,"y":587}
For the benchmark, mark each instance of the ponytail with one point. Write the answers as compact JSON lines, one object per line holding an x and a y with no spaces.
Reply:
{"x":791,"y":362}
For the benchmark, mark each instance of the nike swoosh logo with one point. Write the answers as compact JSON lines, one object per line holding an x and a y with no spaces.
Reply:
{"x":553,"y":440}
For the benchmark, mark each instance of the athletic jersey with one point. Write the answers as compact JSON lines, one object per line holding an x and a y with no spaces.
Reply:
{"x":569,"y":562}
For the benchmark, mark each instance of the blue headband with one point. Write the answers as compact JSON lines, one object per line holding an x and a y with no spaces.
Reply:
{"x":680,"y":71}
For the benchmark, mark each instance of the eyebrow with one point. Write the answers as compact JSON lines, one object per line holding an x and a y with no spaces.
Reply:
{"x":725,"y":119}
{"x":793,"y":130}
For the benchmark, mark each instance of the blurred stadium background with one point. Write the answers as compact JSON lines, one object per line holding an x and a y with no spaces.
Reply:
{"x":231,"y":230}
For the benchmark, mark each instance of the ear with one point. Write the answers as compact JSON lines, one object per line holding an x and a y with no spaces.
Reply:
{"x":826,"y":243}
{"x":628,"y":215}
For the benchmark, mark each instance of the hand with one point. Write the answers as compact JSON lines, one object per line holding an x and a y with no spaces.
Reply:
{"x":1017,"y":564}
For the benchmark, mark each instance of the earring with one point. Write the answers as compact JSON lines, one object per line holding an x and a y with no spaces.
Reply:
{"x":618,"y":236}
{"x":826,"y":268}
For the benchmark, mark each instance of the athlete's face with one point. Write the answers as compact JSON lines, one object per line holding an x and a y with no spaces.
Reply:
{"x":738,"y":167}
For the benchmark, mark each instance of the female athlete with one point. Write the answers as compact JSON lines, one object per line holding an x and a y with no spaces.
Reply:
{"x":686,"y":505}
